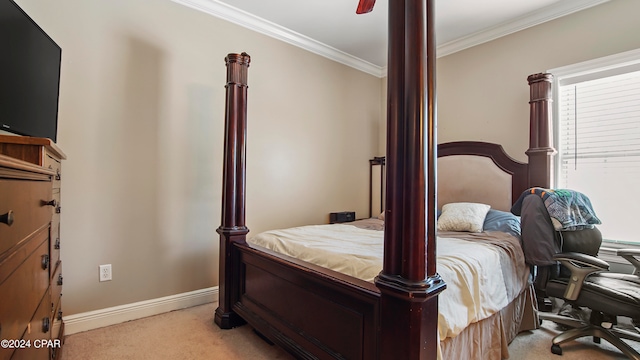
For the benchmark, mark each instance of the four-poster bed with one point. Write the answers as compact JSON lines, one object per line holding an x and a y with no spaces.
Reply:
{"x":314,"y":312}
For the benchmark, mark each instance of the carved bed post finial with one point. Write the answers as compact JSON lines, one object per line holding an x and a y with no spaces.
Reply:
{"x":409,"y":285}
{"x":541,"y":150}
{"x":232,"y":228}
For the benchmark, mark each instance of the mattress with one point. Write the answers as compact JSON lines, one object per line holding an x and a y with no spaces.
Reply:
{"x":484,"y":272}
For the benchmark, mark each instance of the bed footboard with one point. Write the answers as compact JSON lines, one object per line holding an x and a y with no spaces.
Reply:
{"x":312,"y":313}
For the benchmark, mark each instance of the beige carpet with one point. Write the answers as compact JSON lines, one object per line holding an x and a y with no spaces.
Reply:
{"x":190,"y":334}
{"x":184,"y":334}
{"x":534,"y":345}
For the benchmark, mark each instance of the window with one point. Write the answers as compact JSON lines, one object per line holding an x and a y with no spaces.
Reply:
{"x":597,"y":133}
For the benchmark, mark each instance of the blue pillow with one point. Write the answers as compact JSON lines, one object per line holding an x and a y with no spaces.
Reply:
{"x":497,"y":220}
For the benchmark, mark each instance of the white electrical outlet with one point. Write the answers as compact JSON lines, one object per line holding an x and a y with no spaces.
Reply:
{"x":105,"y":272}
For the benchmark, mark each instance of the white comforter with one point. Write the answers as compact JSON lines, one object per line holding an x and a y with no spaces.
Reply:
{"x":481,"y":278}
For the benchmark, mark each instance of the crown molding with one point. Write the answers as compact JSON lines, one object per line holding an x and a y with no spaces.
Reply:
{"x":560,"y":9}
{"x":252,"y":22}
{"x":260,"y":25}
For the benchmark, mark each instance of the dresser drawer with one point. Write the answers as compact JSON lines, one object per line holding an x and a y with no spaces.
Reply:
{"x":25,"y":201}
{"x":52,"y":163}
{"x":57,"y":326}
{"x":37,"y":335}
{"x":24,"y":281}
{"x":57,"y":333}
{"x":56,"y":286}
{"x":55,"y":244}
{"x":55,"y":195}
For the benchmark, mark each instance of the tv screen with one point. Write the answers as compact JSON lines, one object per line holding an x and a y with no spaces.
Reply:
{"x":29,"y":75}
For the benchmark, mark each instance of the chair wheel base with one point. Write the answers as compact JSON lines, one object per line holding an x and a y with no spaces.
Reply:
{"x":556,"y":349}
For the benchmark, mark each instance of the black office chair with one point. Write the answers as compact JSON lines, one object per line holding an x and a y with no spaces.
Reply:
{"x":607,"y":295}
{"x":540,"y":242}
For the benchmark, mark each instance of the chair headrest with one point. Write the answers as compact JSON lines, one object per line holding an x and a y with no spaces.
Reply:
{"x":586,"y":241}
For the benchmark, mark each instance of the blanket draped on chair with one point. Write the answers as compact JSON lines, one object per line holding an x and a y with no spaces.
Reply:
{"x":569,"y":209}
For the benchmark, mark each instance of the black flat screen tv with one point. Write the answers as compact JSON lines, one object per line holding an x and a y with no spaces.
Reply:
{"x":29,"y":75}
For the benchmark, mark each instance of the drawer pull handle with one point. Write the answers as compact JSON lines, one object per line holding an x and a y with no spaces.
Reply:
{"x":7,"y":218}
{"x":45,"y":262}
{"x":57,"y":244}
{"x":58,"y":174}
{"x":58,"y":209}
{"x":49,"y":203}
{"x":46,"y":323}
{"x":60,"y":280}
{"x":59,"y":314}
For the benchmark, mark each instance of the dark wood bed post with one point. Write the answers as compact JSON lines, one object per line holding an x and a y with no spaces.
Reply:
{"x":232,"y":228}
{"x":408,"y":282}
{"x":541,"y":150}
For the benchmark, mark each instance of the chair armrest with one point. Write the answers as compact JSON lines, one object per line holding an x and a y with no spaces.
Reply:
{"x":580,"y":265}
{"x":582,"y":259}
{"x":632,"y":256}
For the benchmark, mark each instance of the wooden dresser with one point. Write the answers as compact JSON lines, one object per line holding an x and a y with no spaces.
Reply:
{"x":31,"y":324}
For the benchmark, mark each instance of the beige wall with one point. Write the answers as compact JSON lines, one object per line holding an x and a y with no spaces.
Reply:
{"x":141,"y":120}
{"x":483,"y":92}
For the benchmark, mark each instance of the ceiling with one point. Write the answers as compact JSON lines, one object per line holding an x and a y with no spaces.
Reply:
{"x":332,"y":28}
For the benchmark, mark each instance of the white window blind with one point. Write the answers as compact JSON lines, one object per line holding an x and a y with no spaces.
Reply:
{"x":598,"y":143}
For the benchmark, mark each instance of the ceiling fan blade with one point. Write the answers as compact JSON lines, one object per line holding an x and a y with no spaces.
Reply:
{"x":365,"y":6}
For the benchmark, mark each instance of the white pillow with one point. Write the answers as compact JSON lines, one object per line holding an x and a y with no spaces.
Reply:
{"x":463,"y":216}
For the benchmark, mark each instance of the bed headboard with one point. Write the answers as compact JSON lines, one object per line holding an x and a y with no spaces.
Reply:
{"x":471,"y":171}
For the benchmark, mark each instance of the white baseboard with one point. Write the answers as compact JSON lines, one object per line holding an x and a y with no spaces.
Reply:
{"x":118,"y":314}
